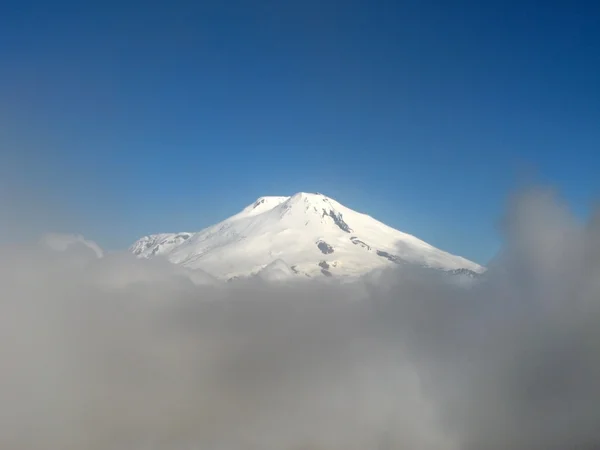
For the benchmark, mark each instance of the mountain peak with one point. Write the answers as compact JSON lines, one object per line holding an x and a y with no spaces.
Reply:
{"x":310,"y":233}
{"x":309,"y":197}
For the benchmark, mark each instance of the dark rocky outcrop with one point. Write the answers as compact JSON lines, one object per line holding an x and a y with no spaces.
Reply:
{"x":392,"y":258}
{"x":338,"y":220}
{"x":325,"y":247}
{"x":357,"y":241}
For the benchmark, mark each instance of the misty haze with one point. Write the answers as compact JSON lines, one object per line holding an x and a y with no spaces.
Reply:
{"x":299,"y":226}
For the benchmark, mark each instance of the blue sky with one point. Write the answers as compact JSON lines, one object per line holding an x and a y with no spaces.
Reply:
{"x":121,"y":119}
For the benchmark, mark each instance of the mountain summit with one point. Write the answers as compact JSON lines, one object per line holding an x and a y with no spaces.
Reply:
{"x":312,"y":234}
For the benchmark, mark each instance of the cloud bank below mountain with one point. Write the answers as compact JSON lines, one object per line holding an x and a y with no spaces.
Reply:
{"x":125,"y":353}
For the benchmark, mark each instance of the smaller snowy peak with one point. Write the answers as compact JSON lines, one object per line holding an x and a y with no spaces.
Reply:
{"x":68,"y":242}
{"x":157,"y":244}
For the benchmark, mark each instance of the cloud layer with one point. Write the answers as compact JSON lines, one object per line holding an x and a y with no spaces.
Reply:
{"x":118,"y":353}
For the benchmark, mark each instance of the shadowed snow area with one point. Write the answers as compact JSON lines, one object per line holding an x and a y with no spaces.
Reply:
{"x":128,"y":353}
{"x":287,"y":228}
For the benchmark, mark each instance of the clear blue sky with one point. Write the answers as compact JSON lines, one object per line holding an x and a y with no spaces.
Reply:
{"x":125,"y":118}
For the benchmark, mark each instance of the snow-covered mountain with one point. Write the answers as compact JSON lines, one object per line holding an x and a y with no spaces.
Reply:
{"x":305,"y":234}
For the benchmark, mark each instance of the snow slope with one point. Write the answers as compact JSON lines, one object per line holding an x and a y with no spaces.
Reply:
{"x":311,"y":234}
